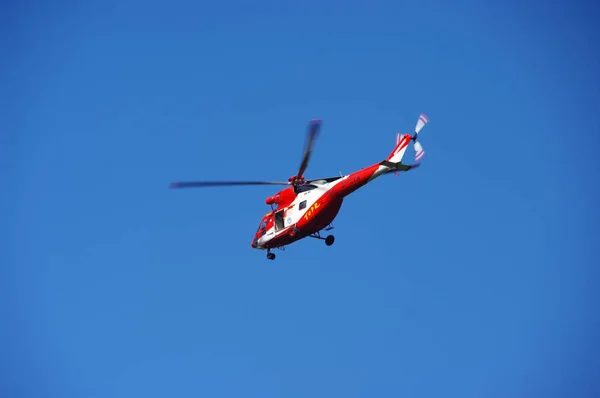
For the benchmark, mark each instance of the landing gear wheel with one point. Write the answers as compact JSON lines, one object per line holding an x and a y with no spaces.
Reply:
{"x":329,"y":240}
{"x":271,"y":256}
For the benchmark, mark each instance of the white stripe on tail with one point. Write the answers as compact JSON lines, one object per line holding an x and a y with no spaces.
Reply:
{"x":402,"y":142}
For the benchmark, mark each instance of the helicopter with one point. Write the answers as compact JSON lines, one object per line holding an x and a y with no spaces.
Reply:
{"x":305,"y":208}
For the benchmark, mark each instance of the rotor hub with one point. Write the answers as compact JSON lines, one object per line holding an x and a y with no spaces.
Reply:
{"x":296,"y":180}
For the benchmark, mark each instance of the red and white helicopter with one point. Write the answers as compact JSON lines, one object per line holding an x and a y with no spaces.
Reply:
{"x":307,"y":207}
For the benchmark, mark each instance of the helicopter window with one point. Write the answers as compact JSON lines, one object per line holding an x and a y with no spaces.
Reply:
{"x":307,"y":187}
{"x":262,"y":225}
{"x":302,"y":205}
{"x":278,"y":220}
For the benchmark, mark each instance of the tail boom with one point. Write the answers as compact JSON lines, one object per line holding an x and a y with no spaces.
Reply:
{"x":393,"y":163}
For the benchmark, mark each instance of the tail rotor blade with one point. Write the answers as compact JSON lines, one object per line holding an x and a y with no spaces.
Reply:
{"x":421,"y":123}
{"x":419,"y":151}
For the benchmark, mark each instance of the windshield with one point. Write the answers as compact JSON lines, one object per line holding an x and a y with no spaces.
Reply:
{"x":262,"y":227}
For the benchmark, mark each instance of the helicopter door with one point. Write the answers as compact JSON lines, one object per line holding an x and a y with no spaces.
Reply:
{"x":279,"y":220}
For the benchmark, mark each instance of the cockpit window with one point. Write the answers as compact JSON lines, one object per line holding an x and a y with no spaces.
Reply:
{"x":262,"y":225}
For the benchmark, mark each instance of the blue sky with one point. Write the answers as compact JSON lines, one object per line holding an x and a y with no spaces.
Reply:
{"x":472,"y":276}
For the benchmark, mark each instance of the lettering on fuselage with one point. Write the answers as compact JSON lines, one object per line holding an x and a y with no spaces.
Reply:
{"x":310,"y":210}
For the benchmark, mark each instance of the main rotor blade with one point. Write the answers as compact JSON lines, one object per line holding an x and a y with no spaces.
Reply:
{"x":201,"y":184}
{"x":313,"y":130}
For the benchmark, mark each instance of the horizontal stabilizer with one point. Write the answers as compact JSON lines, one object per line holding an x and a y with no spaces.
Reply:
{"x":398,"y":166}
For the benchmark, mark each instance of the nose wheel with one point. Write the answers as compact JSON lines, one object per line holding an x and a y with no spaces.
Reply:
{"x":270,"y":256}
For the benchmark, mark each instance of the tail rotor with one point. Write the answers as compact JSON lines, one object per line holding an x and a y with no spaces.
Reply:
{"x":419,"y":151}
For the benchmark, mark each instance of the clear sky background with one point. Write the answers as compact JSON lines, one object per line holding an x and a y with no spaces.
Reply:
{"x":473,"y":276}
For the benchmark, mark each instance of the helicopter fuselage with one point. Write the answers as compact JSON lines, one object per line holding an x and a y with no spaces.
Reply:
{"x":307,"y":209}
